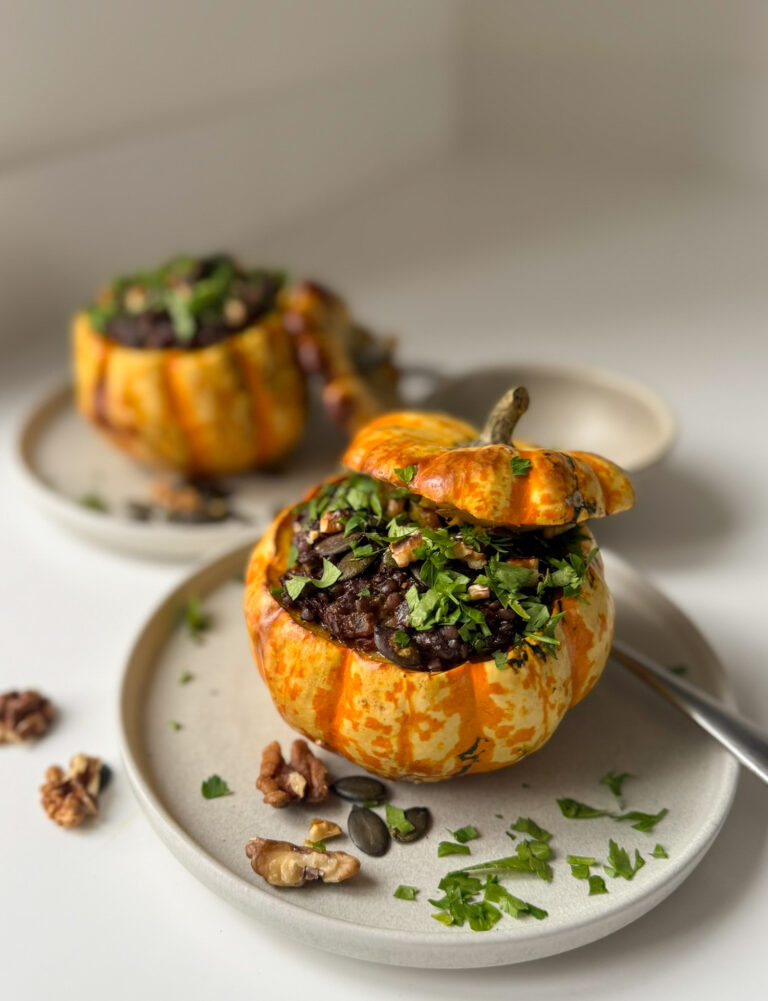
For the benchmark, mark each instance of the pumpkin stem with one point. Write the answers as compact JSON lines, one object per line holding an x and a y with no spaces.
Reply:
{"x":501,"y":422}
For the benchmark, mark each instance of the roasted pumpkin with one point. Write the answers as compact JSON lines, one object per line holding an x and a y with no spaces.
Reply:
{"x":438,"y":609}
{"x":195,"y":367}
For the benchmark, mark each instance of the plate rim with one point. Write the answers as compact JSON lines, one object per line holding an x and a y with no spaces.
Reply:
{"x":369,"y":942}
{"x":602,"y":377}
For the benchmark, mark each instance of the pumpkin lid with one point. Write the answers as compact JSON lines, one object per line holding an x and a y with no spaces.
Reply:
{"x":487,"y":476}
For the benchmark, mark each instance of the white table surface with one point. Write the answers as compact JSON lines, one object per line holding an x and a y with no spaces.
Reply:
{"x":472,"y":261}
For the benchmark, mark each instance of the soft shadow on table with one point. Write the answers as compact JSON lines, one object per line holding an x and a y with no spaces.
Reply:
{"x":681,"y":515}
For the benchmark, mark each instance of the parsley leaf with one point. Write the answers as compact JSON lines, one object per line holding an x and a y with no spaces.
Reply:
{"x":174,"y":724}
{"x":615,"y":781}
{"x":464,"y":834}
{"x":524,"y":825}
{"x":406,"y":474}
{"x":214,"y":787}
{"x":397,"y":821}
{"x":185,"y":677}
{"x":401,"y":637}
{"x":520,"y":467}
{"x":296,"y":584}
{"x":574,"y":810}
{"x":659,"y":852}
{"x":510,"y":904}
{"x":94,"y":502}
{"x":405,"y":892}
{"x":196,"y":620}
{"x":642,"y":821}
{"x":500,"y":657}
{"x":597,"y":886}
{"x":449,"y":848}
{"x":619,"y":864}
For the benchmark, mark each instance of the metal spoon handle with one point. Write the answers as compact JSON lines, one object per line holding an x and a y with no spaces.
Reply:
{"x":745,"y":740}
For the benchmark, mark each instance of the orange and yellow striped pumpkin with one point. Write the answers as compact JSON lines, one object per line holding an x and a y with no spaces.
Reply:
{"x":418,"y":725}
{"x":237,"y":404}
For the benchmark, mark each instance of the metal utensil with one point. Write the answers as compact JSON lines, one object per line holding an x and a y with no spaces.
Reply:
{"x":745,"y":740}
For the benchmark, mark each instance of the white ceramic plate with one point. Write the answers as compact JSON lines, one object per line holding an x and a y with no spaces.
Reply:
{"x":227,"y":717}
{"x":571,"y":408}
{"x":61,"y":459}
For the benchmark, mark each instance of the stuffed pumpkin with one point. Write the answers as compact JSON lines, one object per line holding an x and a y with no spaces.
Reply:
{"x":201,"y":366}
{"x":437,"y":609}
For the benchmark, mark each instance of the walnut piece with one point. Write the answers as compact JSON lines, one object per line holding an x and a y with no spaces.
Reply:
{"x":71,"y":798}
{"x":321,"y":829}
{"x":24,"y":716}
{"x":306,"y":778}
{"x":282,"y":864}
{"x":404,"y":550}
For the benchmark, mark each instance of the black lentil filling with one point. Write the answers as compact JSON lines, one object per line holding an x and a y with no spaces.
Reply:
{"x":462,"y":592}
{"x":187,"y":303}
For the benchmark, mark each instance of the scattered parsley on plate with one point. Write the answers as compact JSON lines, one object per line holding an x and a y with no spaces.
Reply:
{"x":214,"y":787}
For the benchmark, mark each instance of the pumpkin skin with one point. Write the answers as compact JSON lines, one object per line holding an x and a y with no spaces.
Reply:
{"x":477,"y":480}
{"x":234,"y":405}
{"x":414,"y":725}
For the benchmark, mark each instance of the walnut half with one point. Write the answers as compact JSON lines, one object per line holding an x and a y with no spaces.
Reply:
{"x":282,"y":864}
{"x":24,"y":716}
{"x":306,"y":778}
{"x":71,"y":798}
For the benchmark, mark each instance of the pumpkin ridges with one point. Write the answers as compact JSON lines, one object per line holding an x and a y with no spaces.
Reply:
{"x":430,"y":710}
{"x":179,"y":412}
{"x":475,"y":479}
{"x":210,"y":416}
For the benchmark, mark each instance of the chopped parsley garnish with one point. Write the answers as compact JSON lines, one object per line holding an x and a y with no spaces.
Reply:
{"x":214,"y":787}
{"x":659,"y":852}
{"x":520,"y":467}
{"x":517,"y":908}
{"x":196,"y":620}
{"x":619,"y":863}
{"x":319,"y":846}
{"x":397,"y":821}
{"x":185,"y":677}
{"x":459,"y":905}
{"x":580,"y":865}
{"x":642,"y":821}
{"x":406,"y":474}
{"x":94,"y":502}
{"x":296,"y":584}
{"x":597,"y":886}
{"x":464,"y":834}
{"x":174,"y":724}
{"x":406,"y":892}
{"x":524,"y":825}
{"x":531,"y":856}
{"x":449,"y":848}
{"x":615,"y":781}
{"x":186,"y":294}
{"x":574,"y":810}
{"x":389,"y":528}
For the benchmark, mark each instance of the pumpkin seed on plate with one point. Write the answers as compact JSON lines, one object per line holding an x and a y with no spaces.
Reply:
{"x":368,"y":831}
{"x":359,"y":789}
{"x":420,"y":818}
